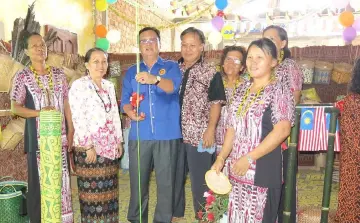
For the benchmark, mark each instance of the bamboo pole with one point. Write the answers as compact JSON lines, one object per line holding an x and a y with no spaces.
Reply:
{"x":291,"y":170}
{"x":329,"y":165}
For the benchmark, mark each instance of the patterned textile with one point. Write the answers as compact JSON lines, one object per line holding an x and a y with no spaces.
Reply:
{"x":248,"y":203}
{"x":24,"y":85}
{"x":248,"y":135}
{"x":289,"y":72}
{"x":93,"y":125}
{"x":98,"y":189}
{"x":349,"y":193}
{"x":50,"y":166}
{"x":195,"y":110}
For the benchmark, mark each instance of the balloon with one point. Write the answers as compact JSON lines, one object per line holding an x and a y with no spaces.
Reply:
{"x":228,"y":32}
{"x":340,"y":3}
{"x":220,"y":13}
{"x":355,"y":4}
{"x":346,"y":19}
{"x":356,"y":24}
{"x":101,"y":31}
{"x":215,"y":38}
{"x":111,"y":1}
{"x":221,"y":4}
{"x":217,"y":22}
{"x":103,"y":43}
{"x":349,"y":34}
{"x":101,"y":5}
{"x":113,"y":36}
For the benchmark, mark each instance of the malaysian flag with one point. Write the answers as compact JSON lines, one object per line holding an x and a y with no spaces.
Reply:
{"x":314,"y":130}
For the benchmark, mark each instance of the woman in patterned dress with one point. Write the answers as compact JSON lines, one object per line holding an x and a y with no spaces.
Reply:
{"x":259,"y":120}
{"x":288,"y":72}
{"x":97,"y":140}
{"x":232,"y":64}
{"x":349,"y":194}
{"x":35,"y":88}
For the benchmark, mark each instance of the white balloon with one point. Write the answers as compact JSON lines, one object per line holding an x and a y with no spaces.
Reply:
{"x":113,"y":36}
{"x":215,"y":38}
{"x":355,"y":4}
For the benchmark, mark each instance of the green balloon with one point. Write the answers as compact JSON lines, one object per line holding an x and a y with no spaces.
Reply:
{"x":103,"y":43}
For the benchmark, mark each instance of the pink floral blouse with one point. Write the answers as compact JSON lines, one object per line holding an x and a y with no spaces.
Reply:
{"x":289,"y":72}
{"x":96,"y":117}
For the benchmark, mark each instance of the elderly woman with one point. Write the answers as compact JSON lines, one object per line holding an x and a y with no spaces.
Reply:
{"x":349,"y":193}
{"x":232,"y":64}
{"x":289,"y":73}
{"x":36,"y":88}
{"x":97,"y":140}
{"x":259,"y":119}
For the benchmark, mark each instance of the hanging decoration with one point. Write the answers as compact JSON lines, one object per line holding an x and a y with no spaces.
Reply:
{"x":228,"y":32}
{"x":214,"y":38}
{"x":101,"y":5}
{"x":220,"y":13}
{"x":346,"y":18}
{"x":102,"y":43}
{"x":221,"y":4}
{"x":100,"y":31}
{"x":217,"y":22}
{"x":111,"y":1}
{"x":340,"y":3}
{"x":349,"y":34}
{"x":113,"y":36}
{"x":356,"y":24}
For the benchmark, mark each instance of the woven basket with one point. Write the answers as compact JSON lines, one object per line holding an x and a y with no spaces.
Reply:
{"x":341,"y":73}
{"x":55,"y":60}
{"x":12,"y":202}
{"x":322,"y":73}
{"x":12,"y":134}
{"x":8,"y":68}
{"x":71,"y":74}
{"x":307,"y":67}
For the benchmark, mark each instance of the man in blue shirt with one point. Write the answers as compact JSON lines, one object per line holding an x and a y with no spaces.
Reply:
{"x":155,"y":125}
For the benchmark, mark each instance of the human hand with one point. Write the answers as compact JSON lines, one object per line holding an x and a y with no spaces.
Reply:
{"x":218,"y":165}
{"x":145,"y":78}
{"x":90,"y":156}
{"x":241,"y":166}
{"x":208,"y":138}
{"x":135,"y":117}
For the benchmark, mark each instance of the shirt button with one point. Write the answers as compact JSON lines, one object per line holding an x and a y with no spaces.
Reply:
{"x":153,"y":117}
{"x":152,"y":103}
{"x":151,"y":92}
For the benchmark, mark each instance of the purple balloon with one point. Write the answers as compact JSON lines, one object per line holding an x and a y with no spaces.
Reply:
{"x":217,"y":22}
{"x":349,"y":34}
{"x":356,"y":24}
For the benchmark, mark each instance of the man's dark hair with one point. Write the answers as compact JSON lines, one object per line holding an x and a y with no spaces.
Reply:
{"x":155,"y":30}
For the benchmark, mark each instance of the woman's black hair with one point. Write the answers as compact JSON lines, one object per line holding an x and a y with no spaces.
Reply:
{"x":89,"y":52}
{"x":354,"y":85}
{"x":283,"y":36}
{"x":228,"y":49}
{"x":266,"y":45}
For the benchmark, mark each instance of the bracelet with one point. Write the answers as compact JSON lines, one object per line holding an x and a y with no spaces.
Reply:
{"x":220,"y":157}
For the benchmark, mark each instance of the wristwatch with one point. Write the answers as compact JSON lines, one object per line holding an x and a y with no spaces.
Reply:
{"x":249,"y":159}
{"x":158,"y":79}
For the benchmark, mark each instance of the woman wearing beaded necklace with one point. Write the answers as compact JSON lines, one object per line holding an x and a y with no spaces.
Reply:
{"x":41,"y":87}
{"x":97,"y":140}
{"x":259,"y":119}
{"x":232,"y":64}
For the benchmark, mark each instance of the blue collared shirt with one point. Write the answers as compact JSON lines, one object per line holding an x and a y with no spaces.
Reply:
{"x":162,"y":110}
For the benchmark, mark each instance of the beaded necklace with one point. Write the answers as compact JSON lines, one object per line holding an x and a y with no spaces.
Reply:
{"x":107,"y":108}
{"x":237,"y":84}
{"x":40,"y":83}
{"x":241,"y":112}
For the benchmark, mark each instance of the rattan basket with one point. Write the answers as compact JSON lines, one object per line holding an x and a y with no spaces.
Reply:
{"x":8,"y":68}
{"x":12,"y":134}
{"x":341,"y":73}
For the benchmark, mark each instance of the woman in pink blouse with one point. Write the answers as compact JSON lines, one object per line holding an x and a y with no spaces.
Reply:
{"x":97,"y":140}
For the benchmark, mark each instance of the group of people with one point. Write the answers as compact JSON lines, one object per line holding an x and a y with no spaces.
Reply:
{"x":191,"y":119}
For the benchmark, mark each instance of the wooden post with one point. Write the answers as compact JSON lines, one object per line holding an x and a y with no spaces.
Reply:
{"x":329,"y":165}
{"x":291,"y":170}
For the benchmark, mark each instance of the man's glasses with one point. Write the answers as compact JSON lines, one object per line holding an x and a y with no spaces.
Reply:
{"x":149,"y":41}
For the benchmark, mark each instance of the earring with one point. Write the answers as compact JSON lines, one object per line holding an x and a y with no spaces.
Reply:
{"x":281,"y":57}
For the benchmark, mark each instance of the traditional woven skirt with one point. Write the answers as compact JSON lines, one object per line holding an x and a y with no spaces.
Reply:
{"x":253,"y":204}
{"x":98,"y":188}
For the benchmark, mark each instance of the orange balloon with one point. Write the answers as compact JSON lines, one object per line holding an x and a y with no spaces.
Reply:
{"x":346,"y":19}
{"x":101,"y":31}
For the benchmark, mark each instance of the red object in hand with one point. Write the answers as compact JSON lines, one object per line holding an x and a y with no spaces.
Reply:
{"x":340,"y":105}
{"x":134,"y":98}
{"x":220,"y":13}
